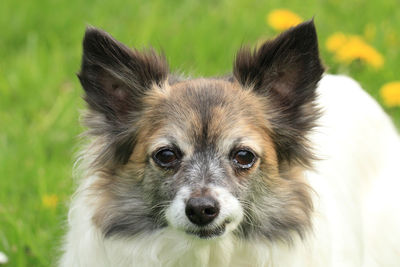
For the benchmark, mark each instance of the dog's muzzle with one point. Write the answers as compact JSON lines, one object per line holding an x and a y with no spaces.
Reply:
{"x":204,"y":215}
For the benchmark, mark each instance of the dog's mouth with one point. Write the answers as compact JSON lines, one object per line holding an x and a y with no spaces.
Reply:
{"x":209,"y":232}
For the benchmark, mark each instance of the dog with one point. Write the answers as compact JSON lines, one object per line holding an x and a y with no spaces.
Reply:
{"x":279,"y":164}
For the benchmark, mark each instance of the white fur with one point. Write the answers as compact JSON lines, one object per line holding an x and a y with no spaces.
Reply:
{"x":230,"y":209}
{"x":357,"y":216}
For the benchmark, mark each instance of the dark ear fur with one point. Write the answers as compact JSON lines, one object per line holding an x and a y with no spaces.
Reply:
{"x":115,"y":78}
{"x":286,"y":70}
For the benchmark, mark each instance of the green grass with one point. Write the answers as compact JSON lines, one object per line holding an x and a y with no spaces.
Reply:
{"x":40,"y":49}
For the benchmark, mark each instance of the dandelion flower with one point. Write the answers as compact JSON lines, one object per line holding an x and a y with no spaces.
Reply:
{"x":355,"y":49}
{"x":348,"y":48}
{"x":282,"y":19}
{"x":336,"y":41}
{"x":50,"y":201}
{"x":390,"y":94}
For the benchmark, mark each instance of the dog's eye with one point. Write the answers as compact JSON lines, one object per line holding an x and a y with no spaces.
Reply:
{"x":243,"y":158}
{"x":166,"y":157}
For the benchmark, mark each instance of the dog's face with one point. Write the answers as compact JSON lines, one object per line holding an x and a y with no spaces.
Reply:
{"x":207,"y":157}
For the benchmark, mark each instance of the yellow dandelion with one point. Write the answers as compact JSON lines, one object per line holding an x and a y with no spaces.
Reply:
{"x":348,"y":48}
{"x":282,"y":19}
{"x":336,"y":41}
{"x":355,"y":48}
{"x":390,"y":94}
{"x":50,"y":201}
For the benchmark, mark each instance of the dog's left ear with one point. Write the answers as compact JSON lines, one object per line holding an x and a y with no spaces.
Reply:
{"x":286,"y":71}
{"x":115,"y":79}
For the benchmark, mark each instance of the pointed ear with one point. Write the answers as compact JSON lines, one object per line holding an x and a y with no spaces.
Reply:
{"x":115,"y":78}
{"x":286,"y":71}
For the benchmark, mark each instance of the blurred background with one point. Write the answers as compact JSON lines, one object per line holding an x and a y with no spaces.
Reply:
{"x":40,"y":96}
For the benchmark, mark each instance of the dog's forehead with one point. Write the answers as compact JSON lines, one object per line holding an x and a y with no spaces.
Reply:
{"x":204,"y":93}
{"x":207,"y":113}
{"x":208,"y":105}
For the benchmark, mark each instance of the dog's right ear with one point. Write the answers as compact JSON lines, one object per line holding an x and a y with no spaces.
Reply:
{"x":115,"y":78}
{"x":286,"y":70}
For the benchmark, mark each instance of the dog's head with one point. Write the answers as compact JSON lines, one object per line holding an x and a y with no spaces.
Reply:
{"x":204,"y":156}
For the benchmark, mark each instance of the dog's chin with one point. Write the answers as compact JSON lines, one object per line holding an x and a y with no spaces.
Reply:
{"x":210,"y":232}
{"x":207,"y":233}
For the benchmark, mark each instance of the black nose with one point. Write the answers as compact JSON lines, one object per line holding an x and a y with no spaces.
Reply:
{"x":202,"y":210}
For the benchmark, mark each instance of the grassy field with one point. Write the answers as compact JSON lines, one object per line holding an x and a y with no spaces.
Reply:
{"x":40,"y":49}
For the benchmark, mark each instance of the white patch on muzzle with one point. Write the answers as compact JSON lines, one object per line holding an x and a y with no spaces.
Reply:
{"x":230,"y":213}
